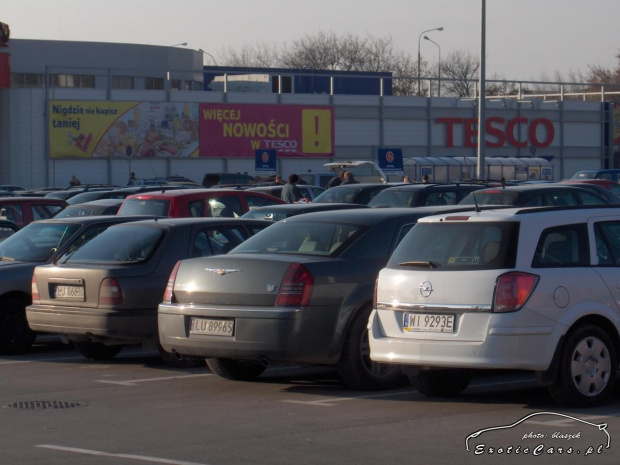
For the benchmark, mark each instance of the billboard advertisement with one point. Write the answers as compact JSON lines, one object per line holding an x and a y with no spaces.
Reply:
{"x":104,"y":129}
{"x":239,"y":130}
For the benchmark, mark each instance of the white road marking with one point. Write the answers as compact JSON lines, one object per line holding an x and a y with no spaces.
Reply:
{"x":329,"y":402}
{"x":134,"y":382}
{"x":123,"y":456}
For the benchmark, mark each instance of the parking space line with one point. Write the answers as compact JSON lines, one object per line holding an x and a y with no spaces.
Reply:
{"x":148,"y":380}
{"x":330,"y":402}
{"x":123,"y":456}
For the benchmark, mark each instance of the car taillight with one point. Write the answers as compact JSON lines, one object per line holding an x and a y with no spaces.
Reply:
{"x":35,"y":290}
{"x":512,"y":291}
{"x":169,"y":292}
{"x":110,"y":292}
{"x":296,"y":287}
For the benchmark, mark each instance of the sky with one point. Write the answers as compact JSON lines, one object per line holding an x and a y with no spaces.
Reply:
{"x":525,"y":39}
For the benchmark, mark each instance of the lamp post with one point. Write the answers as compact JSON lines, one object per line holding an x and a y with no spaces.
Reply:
{"x":438,"y":67}
{"x":208,"y":54}
{"x":419,"y":57}
{"x":184,"y":44}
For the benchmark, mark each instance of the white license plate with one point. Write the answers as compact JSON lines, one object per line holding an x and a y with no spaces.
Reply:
{"x":69,"y":292}
{"x":428,"y":322}
{"x":214,"y":327}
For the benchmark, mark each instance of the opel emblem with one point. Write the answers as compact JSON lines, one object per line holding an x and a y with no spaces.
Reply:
{"x":426,"y":289}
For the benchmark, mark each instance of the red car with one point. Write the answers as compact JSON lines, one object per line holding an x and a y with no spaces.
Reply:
{"x":196,"y":202}
{"x":25,"y":210}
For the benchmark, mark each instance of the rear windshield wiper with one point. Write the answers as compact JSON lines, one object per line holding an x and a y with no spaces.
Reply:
{"x":420,"y":263}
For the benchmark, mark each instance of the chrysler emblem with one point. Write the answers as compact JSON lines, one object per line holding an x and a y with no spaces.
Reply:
{"x":221,"y":271}
{"x":271,"y":287}
{"x":426,"y":289}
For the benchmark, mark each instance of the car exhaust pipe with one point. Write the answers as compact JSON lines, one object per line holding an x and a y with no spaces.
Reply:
{"x":177,"y":355}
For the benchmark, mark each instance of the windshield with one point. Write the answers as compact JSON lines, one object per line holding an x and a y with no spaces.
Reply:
{"x":299,"y":238}
{"x":153,"y":207}
{"x":37,"y":242}
{"x":462,"y":245}
{"x":131,"y":244}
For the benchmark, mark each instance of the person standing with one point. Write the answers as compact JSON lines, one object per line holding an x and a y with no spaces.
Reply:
{"x":277,"y":181}
{"x":132,"y":179}
{"x":75,"y":181}
{"x":336,"y":180}
{"x":290,"y":191}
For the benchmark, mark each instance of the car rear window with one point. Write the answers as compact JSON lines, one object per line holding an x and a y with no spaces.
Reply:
{"x":394,"y":198}
{"x":131,"y":244}
{"x":153,"y":207}
{"x":491,"y":197}
{"x":462,"y":245}
{"x":37,"y":242}
{"x":300,"y":238}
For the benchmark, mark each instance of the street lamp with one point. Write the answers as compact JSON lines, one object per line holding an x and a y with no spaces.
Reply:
{"x":419,"y":58}
{"x":438,"y":67}
{"x":208,"y":54}
{"x":179,"y":45}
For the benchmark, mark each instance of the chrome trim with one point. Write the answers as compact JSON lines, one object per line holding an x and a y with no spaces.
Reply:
{"x":222,"y":271}
{"x":403,"y":307}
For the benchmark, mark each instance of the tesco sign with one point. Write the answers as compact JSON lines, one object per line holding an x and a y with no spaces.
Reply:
{"x":538,"y":132}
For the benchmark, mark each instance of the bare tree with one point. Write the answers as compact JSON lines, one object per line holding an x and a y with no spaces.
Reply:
{"x":459,"y":71}
{"x":257,"y":55}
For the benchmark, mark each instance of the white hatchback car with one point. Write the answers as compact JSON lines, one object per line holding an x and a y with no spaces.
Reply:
{"x":528,"y":289}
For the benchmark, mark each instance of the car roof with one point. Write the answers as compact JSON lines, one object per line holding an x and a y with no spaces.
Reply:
{"x":174,"y":222}
{"x":532,"y":187}
{"x":173,"y":193}
{"x":87,"y":220}
{"x":373,"y":215}
{"x":104,"y":202}
{"x":34,"y":200}
{"x":295,"y":207}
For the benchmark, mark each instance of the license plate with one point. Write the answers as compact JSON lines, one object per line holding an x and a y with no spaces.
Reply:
{"x":213,"y":327}
{"x":427,"y":322}
{"x":69,"y":292}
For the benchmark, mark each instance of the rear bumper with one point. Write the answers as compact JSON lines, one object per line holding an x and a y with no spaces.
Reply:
{"x":129,"y":325}
{"x":523,"y":348}
{"x":303,"y":335}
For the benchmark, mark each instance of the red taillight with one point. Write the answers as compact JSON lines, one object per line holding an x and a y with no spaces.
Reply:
{"x":169,"y":292}
{"x":296,"y":287}
{"x":110,"y":292}
{"x":35,"y":290}
{"x":512,"y":291}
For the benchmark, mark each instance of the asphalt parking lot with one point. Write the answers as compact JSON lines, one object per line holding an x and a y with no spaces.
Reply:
{"x":59,"y":408}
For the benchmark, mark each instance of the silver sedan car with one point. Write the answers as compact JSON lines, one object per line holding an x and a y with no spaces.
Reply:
{"x":300,"y":291}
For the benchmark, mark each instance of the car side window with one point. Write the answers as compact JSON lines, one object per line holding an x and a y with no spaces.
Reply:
{"x":255,"y":201}
{"x":12,"y":213}
{"x":42,"y":212}
{"x":217,"y":241}
{"x":563,"y":246}
{"x":607,"y":236}
{"x":587,"y":198}
{"x":441,"y":198}
{"x":226,"y":206}
{"x":196,"y":208}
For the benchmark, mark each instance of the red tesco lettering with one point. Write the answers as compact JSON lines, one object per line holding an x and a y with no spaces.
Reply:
{"x":501,"y":131}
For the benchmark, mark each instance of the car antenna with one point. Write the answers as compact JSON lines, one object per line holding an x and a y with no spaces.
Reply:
{"x":477,"y":209}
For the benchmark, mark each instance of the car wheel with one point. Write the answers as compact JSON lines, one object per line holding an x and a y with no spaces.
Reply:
{"x":441,"y":383}
{"x":356,"y":368}
{"x":16,"y":337}
{"x":180,"y":361}
{"x":236,"y":370}
{"x":97,"y":350}
{"x":588,"y":366}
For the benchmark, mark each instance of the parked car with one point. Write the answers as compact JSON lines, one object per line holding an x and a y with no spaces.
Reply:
{"x":299,"y":291}
{"x":213,"y":179}
{"x":418,"y":195}
{"x":94,"y":208}
{"x":279,"y":212}
{"x":361,"y":193}
{"x":526,"y":289}
{"x":7,"y":194}
{"x":120,"y":193}
{"x":196,"y":203}
{"x":71,"y":191}
{"x":307,"y":191}
{"x":604,"y":187}
{"x":610,"y":174}
{"x":13,"y":188}
{"x":25,"y":210}
{"x":7,"y":228}
{"x":40,"y":242}
{"x":534,"y":195}
{"x":105,"y":294}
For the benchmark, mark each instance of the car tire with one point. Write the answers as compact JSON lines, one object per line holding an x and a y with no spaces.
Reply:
{"x":356,"y":368}
{"x":235,"y":370}
{"x":16,"y":337}
{"x":587,"y":368}
{"x":97,"y":350}
{"x":441,"y":383}
{"x":180,"y":361}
